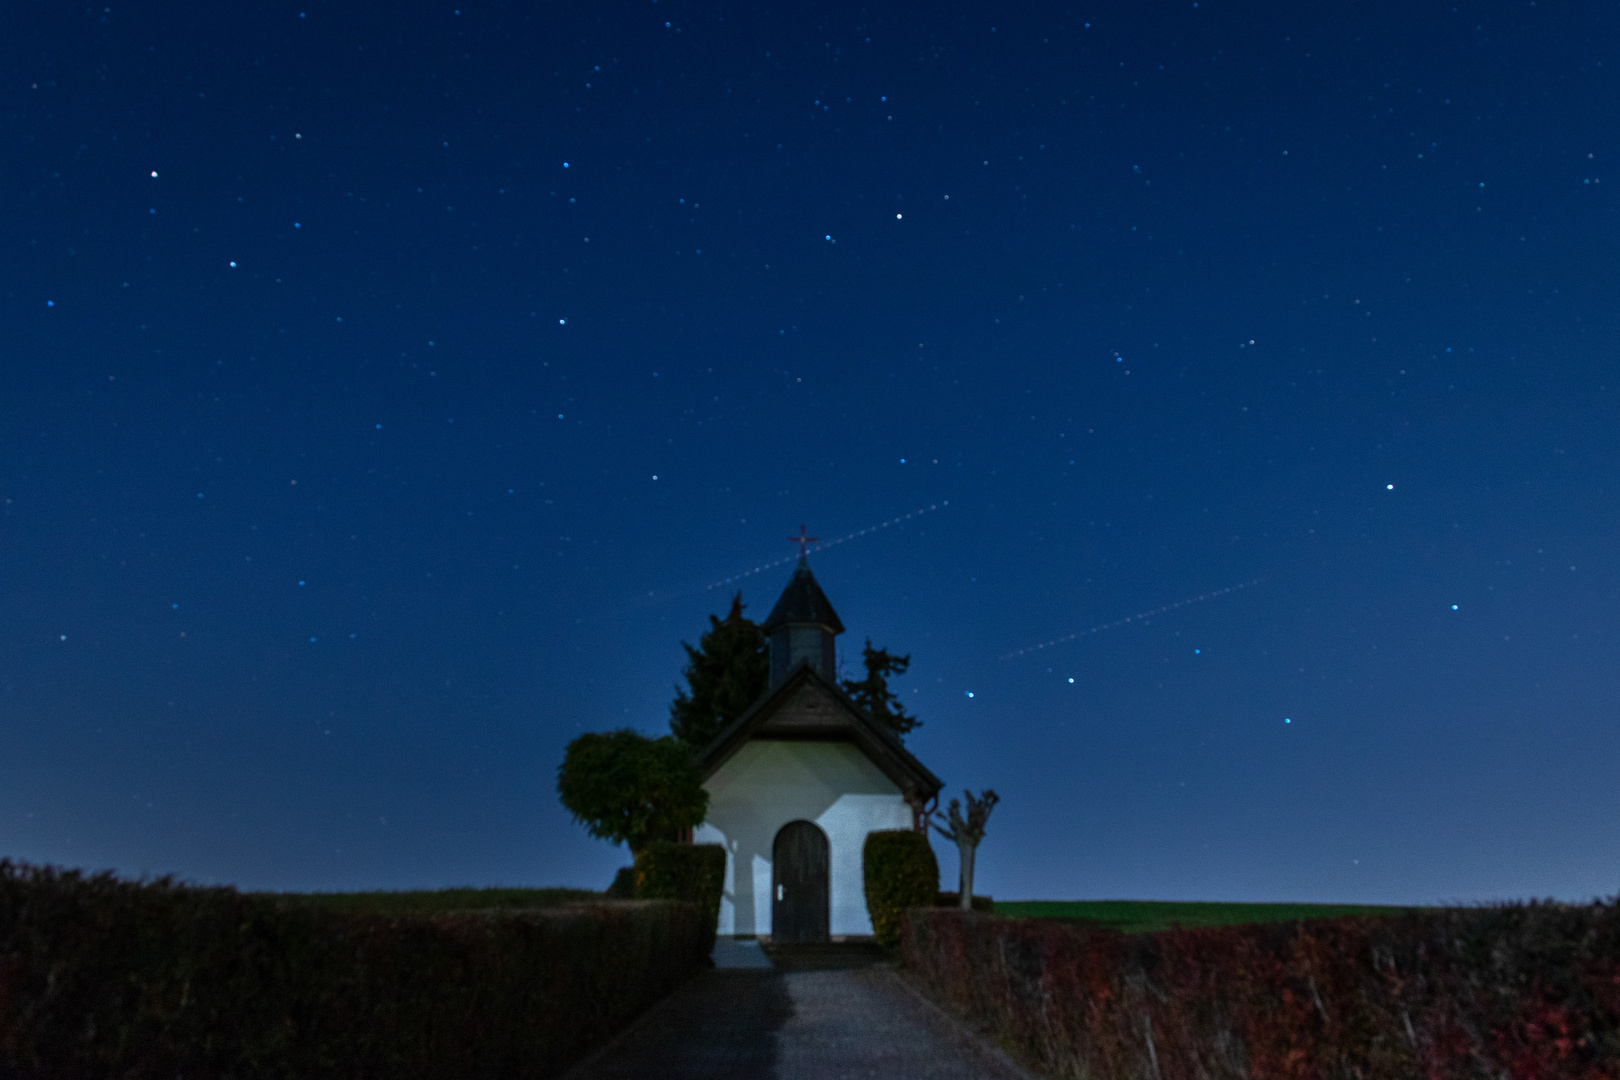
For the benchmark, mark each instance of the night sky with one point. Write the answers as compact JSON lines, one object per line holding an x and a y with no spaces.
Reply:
{"x":389,"y":389}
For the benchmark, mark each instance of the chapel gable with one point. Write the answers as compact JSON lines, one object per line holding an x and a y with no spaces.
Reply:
{"x":804,"y":700}
{"x":812,"y":709}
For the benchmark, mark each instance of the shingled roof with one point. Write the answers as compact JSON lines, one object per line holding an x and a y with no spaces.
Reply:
{"x":807,"y":705}
{"x":803,"y":602}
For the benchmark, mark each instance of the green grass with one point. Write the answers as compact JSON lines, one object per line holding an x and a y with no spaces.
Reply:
{"x":429,"y":902}
{"x":1148,"y":916}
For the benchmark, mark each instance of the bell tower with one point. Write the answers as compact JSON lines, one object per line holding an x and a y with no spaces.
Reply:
{"x":803,"y":624}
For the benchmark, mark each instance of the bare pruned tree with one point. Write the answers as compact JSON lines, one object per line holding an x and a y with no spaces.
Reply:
{"x":966,"y":833}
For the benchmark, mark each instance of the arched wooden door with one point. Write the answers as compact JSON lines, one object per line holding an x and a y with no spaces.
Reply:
{"x":801,"y":895}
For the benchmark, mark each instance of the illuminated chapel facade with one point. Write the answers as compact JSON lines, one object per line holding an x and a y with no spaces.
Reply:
{"x":797,"y":782}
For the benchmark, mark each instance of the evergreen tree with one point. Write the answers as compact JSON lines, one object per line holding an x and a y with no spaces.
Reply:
{"x":725,"y":674}
{"x":872,"y":693}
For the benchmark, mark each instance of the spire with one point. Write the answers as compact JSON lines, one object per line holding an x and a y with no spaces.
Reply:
{"x":801,"y":627}
{"x":803,"y":602}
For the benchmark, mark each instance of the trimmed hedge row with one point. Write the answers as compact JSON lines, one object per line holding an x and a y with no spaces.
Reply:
{"x":1527,"y":992}
{"x":899,"y":871}
{"x":985,"y":904}
{"x":439,"y":901}
{"x":102,"y":977}
{"x":692,"y":872}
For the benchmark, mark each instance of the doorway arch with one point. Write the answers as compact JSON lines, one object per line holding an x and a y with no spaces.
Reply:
{"x":800,"y":887}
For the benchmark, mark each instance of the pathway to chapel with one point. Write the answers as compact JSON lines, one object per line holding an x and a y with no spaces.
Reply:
{"x":816,"y":1014}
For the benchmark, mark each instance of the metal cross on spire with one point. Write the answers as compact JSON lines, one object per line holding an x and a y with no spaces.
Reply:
{"x":803,"y":541}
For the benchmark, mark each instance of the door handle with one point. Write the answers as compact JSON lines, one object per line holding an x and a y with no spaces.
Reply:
{"x":779,"y":892}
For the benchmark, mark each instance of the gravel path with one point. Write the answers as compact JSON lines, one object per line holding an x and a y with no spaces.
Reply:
{"x":866,"y":1023}
{"x":797,"y":1025}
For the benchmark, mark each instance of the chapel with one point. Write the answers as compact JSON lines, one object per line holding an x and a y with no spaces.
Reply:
{"x":796,"y":783}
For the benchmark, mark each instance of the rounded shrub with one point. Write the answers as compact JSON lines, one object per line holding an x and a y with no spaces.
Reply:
{"x":901,"y":872}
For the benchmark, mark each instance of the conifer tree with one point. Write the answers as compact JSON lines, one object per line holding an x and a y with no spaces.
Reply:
{"x":725,"y":674}
{"x":872,"y":693}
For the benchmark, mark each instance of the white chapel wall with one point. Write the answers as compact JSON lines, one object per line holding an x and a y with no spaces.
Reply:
{"x":769,"y":783}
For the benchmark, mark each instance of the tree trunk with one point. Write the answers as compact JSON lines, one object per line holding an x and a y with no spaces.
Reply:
{"x":965,"y":851}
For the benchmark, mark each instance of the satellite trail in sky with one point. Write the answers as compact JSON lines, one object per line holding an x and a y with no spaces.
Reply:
{"x":1130,"y":618}
{"x":830,"y":543}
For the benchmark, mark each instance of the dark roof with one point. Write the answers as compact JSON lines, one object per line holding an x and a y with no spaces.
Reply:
{"x":841,"y":720}
{"x":803,"y":602}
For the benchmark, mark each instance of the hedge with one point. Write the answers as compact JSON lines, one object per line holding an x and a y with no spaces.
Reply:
{"x":692,"y":872}
{"x":438,"y":901}
{"x":900,"y":872}
{"x":1526,"y":992}
{"x":623,"y":885}
{"x":985,"y":904}
{"x":103,"y":977}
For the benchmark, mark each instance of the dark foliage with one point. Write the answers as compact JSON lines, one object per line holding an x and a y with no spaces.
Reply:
{"x":625,"y":787}
{"x":728,"y":671}
{"x":440,"y":901}
{"x":872,"y":694}
{"x":107,"y":978}
{"x":695,"y":873}
{"x":900,"y":872}
{"x":1529,"y":992}
{"x":623,"y":886}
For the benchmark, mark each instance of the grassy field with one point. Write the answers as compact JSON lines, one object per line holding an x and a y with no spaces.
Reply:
{"x":435,"y":900}
{"x":1147,"y":916}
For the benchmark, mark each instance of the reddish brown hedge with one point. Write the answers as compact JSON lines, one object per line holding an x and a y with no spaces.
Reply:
{"x":1523,"y":992}
{"x":101,"y":977}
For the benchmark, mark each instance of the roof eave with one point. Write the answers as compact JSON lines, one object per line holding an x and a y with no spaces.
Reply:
{"x":881,"y":746}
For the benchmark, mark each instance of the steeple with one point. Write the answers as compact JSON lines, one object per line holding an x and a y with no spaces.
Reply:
{"x":801,"y":627}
